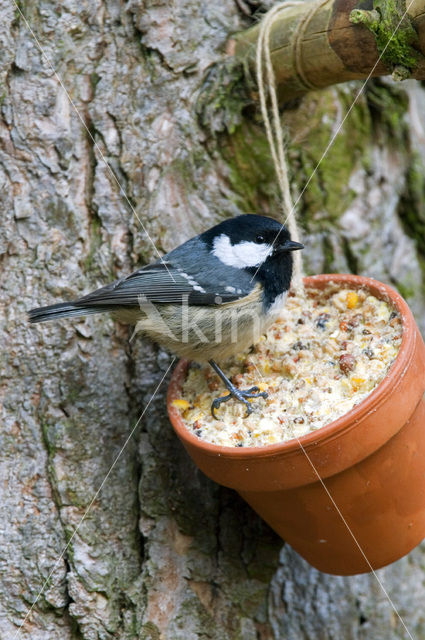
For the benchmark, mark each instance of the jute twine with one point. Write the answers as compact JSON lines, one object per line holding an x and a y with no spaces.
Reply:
{"x":267,"y":87}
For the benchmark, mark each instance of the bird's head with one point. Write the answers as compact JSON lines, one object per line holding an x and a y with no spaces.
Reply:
{"x":252,"y":242}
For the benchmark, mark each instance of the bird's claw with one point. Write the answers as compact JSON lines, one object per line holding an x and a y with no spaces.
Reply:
{"x":241,"y":395}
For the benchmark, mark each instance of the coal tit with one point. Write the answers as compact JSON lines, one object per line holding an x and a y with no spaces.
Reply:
{"x":210,"y":298}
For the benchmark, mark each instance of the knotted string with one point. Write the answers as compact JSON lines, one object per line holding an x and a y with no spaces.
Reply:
{"x":267,"y":87}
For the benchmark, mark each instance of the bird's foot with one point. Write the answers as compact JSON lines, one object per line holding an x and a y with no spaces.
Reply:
{"x":242,"y":395}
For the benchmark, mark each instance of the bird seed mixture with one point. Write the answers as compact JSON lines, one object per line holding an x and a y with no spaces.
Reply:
{"x":327,"y":351}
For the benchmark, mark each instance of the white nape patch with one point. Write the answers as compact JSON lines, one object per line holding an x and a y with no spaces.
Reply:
{"x":240,"y":255}
{"x":277,"y":305}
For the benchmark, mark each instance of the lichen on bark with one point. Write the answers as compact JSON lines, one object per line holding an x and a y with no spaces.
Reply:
{"x":394,"y":33}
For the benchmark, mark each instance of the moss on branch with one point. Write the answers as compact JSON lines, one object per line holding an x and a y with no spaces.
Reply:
{"x":394,"y":34}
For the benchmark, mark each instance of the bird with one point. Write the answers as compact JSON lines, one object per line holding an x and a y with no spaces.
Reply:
{"x":209,"y":299}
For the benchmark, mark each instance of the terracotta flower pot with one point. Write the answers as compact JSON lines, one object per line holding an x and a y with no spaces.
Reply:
{"x":370,"y":508}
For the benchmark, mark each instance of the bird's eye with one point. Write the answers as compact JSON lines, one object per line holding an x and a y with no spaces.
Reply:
{"x":259,"y":239}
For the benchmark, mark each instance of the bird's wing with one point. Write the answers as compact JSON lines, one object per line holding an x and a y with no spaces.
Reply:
{"x":162,"y":283}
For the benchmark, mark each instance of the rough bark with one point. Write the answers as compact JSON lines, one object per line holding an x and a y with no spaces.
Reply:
{"x":164,"y":552}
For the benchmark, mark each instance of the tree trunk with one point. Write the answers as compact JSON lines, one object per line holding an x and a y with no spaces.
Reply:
{"x":164,"y":553}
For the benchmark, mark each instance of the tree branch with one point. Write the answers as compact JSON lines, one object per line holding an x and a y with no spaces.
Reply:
{"x":339,"y":40}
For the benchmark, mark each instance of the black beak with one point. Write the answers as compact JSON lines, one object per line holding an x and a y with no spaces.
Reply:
{"x":290,"y":245}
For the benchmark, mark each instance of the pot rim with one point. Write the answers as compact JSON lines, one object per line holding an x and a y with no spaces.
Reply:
{"x":333,"y":429}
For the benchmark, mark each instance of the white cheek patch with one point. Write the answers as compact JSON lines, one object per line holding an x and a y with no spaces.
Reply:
{"x":242,"y":254}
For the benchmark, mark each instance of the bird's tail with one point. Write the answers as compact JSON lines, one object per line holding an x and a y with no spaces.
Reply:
{"x":62,"y":310}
